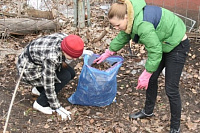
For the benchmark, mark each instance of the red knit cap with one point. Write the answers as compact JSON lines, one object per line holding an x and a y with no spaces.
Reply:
{"x":73,"y":46}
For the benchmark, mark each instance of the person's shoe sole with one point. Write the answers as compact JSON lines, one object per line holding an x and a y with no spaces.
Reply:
{"x":45,"y":110}
{"x":35,"y":92}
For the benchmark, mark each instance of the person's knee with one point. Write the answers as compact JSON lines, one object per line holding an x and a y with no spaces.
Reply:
{"x":66,"y":78}
{"x":69,"y":75}
{"x":73,"y":74}
{"x":66,"y":74}
{"x":172,"y":93}
{"x":71,"y":71}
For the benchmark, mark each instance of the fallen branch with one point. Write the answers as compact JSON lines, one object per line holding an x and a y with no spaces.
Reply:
{"x":23,"y":26}
{"x":8,"y":14}
{"x":101,"y":36}
{"x":31,"y":13}
{"x":40,"y":14}
{"x":13,"y":97}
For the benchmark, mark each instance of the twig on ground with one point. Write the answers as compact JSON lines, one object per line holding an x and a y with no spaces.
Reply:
{"x":13,"y":98}
{"x":101,"y":36}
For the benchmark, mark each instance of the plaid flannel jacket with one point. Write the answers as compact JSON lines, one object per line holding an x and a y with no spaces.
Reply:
{"x":47,"y":56}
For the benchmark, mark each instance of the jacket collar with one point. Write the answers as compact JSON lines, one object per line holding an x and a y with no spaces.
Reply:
{"x":130,"y":14}
{"x":134,"y":7}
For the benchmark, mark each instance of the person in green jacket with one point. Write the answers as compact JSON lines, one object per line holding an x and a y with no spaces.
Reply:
{"x":164,"y":37}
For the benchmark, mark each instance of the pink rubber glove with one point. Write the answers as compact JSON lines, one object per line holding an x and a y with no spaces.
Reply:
{"x":143,"y":80}
{"x":104,"y":56}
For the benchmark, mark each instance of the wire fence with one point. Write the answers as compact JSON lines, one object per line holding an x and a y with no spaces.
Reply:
{"x":187,"y":10}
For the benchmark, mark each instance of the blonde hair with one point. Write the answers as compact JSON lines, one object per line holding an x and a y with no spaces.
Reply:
{"x":117,"y":9}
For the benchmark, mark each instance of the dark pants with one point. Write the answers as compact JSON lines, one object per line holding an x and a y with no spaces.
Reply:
{"x":64,"y":75}
{"x":173,"y":63}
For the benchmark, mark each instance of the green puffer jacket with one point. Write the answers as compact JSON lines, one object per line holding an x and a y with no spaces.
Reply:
{"x":167,"y":35}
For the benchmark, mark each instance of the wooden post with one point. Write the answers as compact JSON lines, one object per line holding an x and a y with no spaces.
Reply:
{"x":81,"y":14}
{"x":75,"y":13}
{"x":19,"y":8}
{"x":88,"y":12}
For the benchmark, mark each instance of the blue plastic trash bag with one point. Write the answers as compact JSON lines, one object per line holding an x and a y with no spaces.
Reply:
{"x":97,"y":87}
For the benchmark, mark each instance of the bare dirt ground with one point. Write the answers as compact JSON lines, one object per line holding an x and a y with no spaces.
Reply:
{"x":109,"y":119}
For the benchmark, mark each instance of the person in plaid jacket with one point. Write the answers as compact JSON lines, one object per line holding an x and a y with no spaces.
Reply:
{"x":47,"y":69}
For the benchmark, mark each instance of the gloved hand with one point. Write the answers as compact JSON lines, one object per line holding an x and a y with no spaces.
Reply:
{"x":63,"y":113}
{"x":88,"y":52}
{"x":143,"y":80}
{"x":104,"y":56}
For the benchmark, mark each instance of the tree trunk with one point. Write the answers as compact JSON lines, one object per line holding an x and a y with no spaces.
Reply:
{"x":23,"y":26}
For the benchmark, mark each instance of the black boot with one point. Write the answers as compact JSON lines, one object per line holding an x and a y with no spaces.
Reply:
{"x":172,"y":130}
{"x":140,"y":115}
